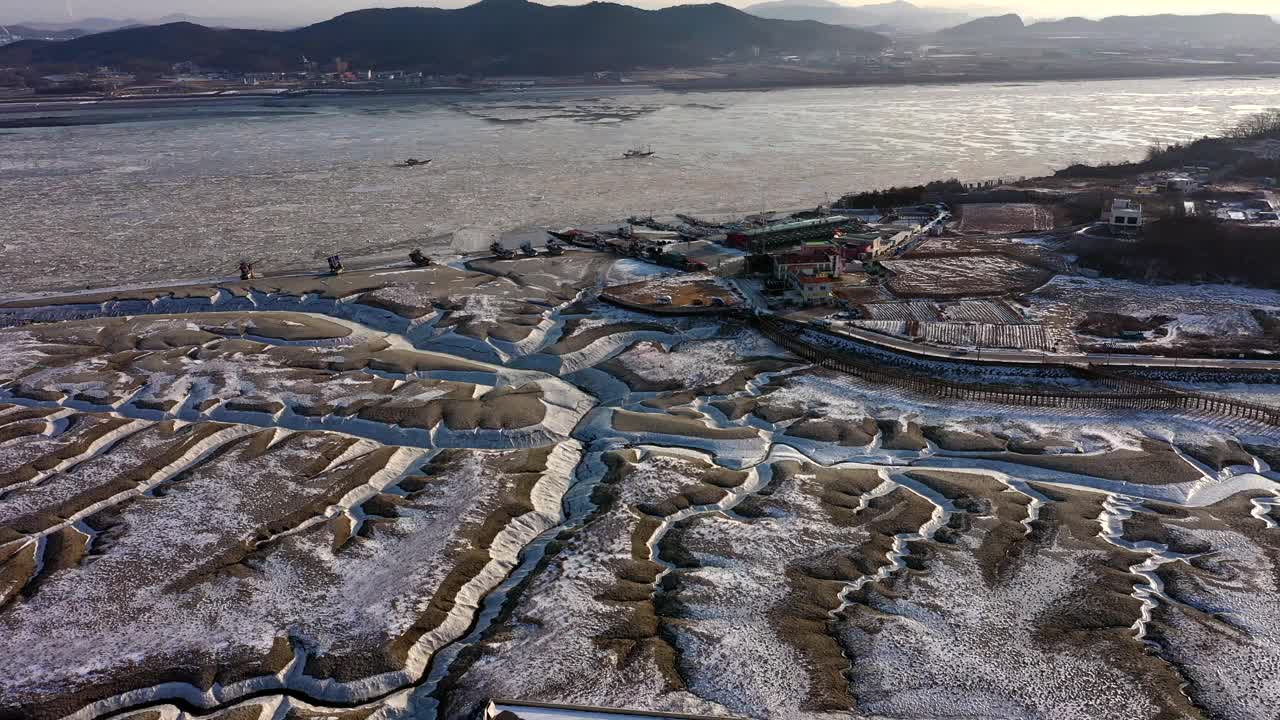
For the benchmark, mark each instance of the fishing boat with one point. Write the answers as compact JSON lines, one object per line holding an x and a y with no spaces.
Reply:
{"x":574,"y":236}
{"x":637,"y":153}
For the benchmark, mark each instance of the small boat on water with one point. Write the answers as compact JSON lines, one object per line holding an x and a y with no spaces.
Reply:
{"x":414,"y":162}
{"x":637,"y":153}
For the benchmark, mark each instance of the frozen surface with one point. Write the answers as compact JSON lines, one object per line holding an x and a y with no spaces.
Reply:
{"x":110,"y":202}
{"x":696,"y":363}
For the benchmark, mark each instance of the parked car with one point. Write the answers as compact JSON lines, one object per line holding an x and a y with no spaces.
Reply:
{"x":664,"y":299}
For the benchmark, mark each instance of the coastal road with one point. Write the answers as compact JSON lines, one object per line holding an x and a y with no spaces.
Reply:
{"x":751,"y":292}
{"x":1042,"y":358}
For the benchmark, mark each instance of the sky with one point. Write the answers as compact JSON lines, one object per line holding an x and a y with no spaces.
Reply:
{"x":303,"y":11}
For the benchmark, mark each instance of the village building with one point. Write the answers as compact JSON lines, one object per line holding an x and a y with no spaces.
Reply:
{"x":813,"y":271}
{"x":814,"y":290}
{"x":821,"y":261}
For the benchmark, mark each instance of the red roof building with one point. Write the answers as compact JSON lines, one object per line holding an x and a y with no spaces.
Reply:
{"x":810,"y":262}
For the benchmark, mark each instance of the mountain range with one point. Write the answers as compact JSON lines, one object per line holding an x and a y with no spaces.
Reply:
{"x":493,"y":37}
{"x":90,"y":25}
{"x":898,"y":15}
{"x":1219,"y":29}
{"x":27,"y":31}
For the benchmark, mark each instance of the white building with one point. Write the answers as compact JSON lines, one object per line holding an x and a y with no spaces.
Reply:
{"x":1124,"y":216}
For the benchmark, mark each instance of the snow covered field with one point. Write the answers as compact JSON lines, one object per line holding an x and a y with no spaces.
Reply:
{"x":399,"y":496}
{"x":967,"y":275}
{"x":1212,"y":314}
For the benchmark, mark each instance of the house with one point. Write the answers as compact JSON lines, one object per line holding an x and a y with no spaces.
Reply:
{"x":813,"y":271}
{"x":819,"y":261}
{"x":891,"y":240}
{"x":813,"y":290}
{"x":1124,"y":216}
{"x":857,"y":246}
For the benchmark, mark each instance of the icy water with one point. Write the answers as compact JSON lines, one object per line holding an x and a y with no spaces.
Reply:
{"x":153,"y":194}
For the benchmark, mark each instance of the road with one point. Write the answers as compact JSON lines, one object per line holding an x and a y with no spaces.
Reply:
{"x":1028,"y":357}
{"x":1020,"y":357}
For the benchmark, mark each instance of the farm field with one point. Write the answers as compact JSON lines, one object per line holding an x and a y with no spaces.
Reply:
{"x":989,"y":311}
{"x":1005,"y":218}
{"x":963,"y":276}
{"x":986,"y":335}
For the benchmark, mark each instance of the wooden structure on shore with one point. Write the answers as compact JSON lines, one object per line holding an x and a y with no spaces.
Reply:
{"x":1117,"y":391}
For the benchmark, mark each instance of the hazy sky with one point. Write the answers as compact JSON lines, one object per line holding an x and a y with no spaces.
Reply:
{"x":310,"y":10}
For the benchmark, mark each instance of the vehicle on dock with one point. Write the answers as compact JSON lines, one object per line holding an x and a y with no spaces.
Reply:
{"x":501,"y":252}
{"x":419,"y":258}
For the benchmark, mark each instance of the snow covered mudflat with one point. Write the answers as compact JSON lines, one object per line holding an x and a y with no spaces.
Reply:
{"x":398,"y":494}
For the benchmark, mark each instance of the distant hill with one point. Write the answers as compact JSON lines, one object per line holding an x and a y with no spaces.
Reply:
{"x":1220,"y":29}
{"x":987,"y":28}
{"x":246,"y":23}
{"x":27,"y":31}
{"x":87,"y":25}
{"x":898,"y":15}
{"x":1222,"y":26}
{"x":493,"y":37}
{"x":100,"y":25}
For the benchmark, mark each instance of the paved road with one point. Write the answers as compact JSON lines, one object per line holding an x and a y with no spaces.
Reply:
{"x":1041,"y":358}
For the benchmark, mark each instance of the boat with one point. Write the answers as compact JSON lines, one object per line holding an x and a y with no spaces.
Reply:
{"x":419,"y":258}
{"x":643,"y":233}
{"x":501,"y":252}
{"x":637,"y":153}
{"x":414,"y":162}
{"x":527,"y":249}
{"x":574,"y":236}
